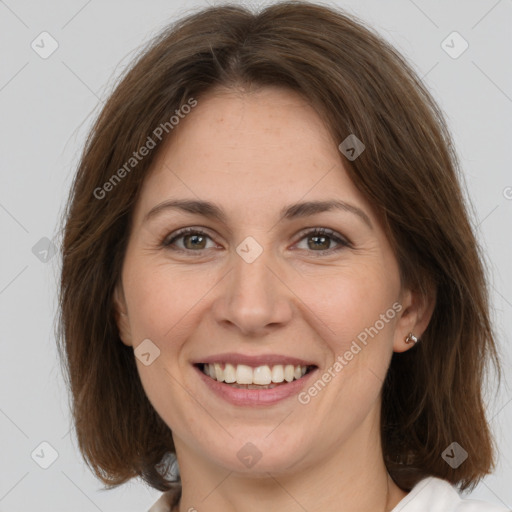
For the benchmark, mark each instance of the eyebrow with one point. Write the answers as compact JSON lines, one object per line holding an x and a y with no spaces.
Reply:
{"x":294,"y":211}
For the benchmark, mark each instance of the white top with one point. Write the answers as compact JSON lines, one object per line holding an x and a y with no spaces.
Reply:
{"x":436,"y":495}
{"x":429,"y":495}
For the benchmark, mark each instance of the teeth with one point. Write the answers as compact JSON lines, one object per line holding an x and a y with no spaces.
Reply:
{"x":289,"y":372}
{"x":219,"y":374}
{"x":244,"y":374}
{"x":264,"y":375}
{"x":229,"y":373}
{"x":261,"y":375}
{"x":277,"y":373}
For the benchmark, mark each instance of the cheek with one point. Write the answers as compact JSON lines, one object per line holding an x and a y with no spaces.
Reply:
{"x":348,"y":302}
{"x":162,"y":299}
{"x":163,"y":303}
{"x":353,"y":309}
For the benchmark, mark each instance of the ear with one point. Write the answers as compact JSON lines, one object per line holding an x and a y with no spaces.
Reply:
{"x":121,"y":315}
{"x":415,"y":315}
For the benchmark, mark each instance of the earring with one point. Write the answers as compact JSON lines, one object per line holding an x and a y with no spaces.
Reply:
{"x":410,"y":338}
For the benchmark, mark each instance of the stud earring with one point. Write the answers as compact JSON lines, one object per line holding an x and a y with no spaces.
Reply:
{"x":410,"y":338}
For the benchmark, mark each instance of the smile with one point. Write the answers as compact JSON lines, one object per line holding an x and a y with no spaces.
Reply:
{"x":250,"y":386}
{"x":260,"y":377}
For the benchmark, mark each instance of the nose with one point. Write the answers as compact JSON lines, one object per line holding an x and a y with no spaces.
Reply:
{"x":253,"y":297}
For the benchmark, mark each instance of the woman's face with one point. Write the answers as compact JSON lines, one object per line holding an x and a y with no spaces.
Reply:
{"x":259,"y":287}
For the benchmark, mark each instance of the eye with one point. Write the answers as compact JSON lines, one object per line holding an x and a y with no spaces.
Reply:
{"x":193,"y":240}
{"x":321,"y":238}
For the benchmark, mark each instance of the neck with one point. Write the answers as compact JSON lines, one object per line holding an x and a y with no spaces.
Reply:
{"x":351,"y":477}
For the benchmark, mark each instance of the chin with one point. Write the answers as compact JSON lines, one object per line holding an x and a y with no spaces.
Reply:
{"x":259,"y":453}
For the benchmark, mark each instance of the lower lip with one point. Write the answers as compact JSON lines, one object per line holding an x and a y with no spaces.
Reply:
{"x":240,"y":396}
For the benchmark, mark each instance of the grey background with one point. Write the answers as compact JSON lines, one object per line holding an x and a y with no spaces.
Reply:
{"x":47,"y":106}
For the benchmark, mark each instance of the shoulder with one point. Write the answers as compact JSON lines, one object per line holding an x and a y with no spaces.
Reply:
{"x":436,"y":494}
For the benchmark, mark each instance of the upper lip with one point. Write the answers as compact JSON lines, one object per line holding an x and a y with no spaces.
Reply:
{"x":256,"y":360}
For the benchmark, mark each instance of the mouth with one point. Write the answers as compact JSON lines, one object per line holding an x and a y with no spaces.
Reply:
{"x":261,"y":377}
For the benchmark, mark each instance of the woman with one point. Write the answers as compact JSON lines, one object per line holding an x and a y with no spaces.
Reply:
{"x":269,"y":274}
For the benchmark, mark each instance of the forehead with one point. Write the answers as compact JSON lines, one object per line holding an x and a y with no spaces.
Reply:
{"x":248,"y":149}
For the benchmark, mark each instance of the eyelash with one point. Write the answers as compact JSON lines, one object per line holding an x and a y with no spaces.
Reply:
{"x":167,"y":242}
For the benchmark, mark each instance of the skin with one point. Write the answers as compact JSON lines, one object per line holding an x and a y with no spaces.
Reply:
{"x":252,"y":153}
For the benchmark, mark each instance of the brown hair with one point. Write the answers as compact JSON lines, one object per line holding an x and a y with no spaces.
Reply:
{"x":432,"y":395}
